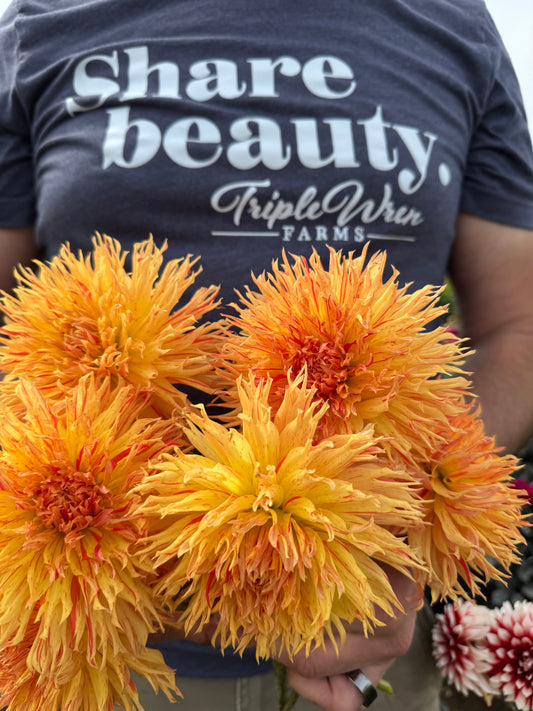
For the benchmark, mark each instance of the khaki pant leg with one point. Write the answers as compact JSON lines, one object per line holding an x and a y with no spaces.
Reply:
{"x":414,"y":678}
{"x":256,"y":693}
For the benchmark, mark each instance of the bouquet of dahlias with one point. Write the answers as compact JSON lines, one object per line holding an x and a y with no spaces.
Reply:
{"x":373,"y":360}
{"x":319,"y":362}
{"x":321,"y":358}
{"x":487,"y":652}
{"x":350,"y":443}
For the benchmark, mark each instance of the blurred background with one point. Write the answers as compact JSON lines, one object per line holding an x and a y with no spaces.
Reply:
{"x":514,"y":19}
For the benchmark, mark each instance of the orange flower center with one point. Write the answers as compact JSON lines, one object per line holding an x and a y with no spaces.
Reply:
{"x":328,"y":366}
{"x":70,"y":500}
{"x":90,"y":348}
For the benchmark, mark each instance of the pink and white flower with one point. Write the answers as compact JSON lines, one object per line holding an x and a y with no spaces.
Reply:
{"x":509,"y":644}
{"x":462,"y":661}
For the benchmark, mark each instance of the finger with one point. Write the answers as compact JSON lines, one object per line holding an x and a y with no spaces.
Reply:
{"x":333,"y":693}
{"x":357,"y":651}
{"x":365,"y":687}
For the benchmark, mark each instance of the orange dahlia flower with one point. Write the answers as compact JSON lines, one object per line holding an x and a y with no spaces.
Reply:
{"x":76,"y":598}
{"x":472,"y":513}
{"x":82,"y":687}
{"x":276,"y":537}
{"x":362,"y":339}
{"x":89,"y":314}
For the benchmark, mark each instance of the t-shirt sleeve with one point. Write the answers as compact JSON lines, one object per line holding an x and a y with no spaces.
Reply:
{"x":17,"y":198}
{"x":498,"y":181}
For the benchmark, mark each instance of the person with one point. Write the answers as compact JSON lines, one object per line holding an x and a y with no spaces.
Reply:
{"x":238,"y":129}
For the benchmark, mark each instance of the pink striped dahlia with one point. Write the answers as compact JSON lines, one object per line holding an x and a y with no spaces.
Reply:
{"x":462,"y":661}
{"x":510,"y":653}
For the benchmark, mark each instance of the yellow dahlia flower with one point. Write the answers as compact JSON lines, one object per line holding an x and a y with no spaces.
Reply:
{"x":82,"y":687}
{"x":89,"y":314}
{"x":277,"y":538}
{"x":76,"y":599}
{"x":472,"y":513}
{"x":363,"y":341}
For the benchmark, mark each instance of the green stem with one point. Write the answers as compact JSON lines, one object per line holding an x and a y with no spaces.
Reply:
{"x":287,"y":697}
{"x":290,"y":701}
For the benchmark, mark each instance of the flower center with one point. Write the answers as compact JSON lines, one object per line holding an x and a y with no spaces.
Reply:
{"x":443,"y":474}
{"x":269,"y":494}
{"x":101,"y":348}
{"x":525,"y":664}
{"x":328,"y":366}
{"x":70,"y":500}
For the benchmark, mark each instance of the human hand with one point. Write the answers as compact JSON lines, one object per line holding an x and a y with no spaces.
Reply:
{"x":320,"y":677}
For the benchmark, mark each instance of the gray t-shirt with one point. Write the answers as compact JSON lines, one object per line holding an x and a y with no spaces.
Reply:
{"x":237,"y":129}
